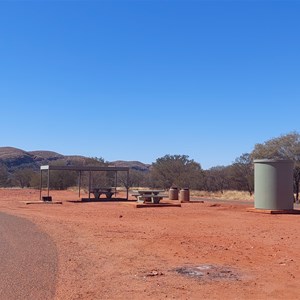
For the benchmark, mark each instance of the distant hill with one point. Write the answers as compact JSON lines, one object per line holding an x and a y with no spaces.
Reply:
{"x":46,"y":154}
{"x":14,"y":158}
{"x":135,"y":165}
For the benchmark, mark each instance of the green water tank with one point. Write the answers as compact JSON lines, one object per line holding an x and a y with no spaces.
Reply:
{"x":273,"y":184}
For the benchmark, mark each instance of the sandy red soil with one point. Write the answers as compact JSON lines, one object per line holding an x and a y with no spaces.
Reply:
{"x":114,"y":250}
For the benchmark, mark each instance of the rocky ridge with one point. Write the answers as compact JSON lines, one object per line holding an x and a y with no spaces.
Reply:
{"x":14,"y":158}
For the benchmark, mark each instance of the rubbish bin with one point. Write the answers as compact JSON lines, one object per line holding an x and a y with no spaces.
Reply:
{"x":47,"y":198}
{"x":273,"y":184}
{"x":173,"y":193}
{"x":184,"y":195}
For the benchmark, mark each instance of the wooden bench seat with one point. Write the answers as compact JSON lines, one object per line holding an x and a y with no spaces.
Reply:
{"x":135,"y":194}
{"x":98,"y":192}
{"x":151,"y":198}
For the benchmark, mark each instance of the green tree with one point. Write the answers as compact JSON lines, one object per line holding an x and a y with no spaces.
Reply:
{"x":23,"y":177}
{"x":4,"y":176}
{"x":216,"y":179}
{"x":136,"y":178}
{"x":242,"y":173}
{"x":283,"y":147}
{"x":35,"y":180}
{"x":98,"y":179}
{"x":98,"y":161}
{"x":61,"y":180}
{"x":177,"y":170}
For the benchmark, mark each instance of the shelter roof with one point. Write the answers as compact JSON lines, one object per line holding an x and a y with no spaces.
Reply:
{"x":83,"y":168}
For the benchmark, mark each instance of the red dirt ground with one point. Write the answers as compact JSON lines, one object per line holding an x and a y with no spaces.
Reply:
{"x":113,"y":250}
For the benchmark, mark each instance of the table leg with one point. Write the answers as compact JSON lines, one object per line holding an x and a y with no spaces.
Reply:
{"x":96,"y":195}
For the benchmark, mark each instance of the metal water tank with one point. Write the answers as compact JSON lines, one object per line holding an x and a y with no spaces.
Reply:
{"x":184,"y":195}
{"x":273,"y":184}
{"x":173,"y":193}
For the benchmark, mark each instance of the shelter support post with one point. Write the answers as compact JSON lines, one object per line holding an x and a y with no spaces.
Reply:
{"x":41,"y":184}
{"x":79,"y":184}
{"x":90,"y":177}
{"x":127,"y":184}
{"x":48,"y":182}
{"x":116,"y":183}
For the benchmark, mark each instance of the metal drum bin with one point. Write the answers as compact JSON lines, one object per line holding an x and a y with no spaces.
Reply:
{"x":184,"y":195}
{"x":173,"y":193}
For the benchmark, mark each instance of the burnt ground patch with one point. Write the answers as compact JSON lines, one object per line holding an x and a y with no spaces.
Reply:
{"x":209,"y":272}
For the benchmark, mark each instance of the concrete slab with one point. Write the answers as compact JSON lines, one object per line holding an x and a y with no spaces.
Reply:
{"x":274,"y":212}
{"x":140,"y":205}
{"x":99,"y":200}
{"x":192,"y":201}
{"x":42,"y":202}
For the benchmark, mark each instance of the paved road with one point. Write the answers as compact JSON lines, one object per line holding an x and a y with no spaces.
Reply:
{"x":28,"y":260}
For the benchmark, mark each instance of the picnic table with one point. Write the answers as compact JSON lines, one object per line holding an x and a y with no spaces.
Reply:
{"x":153,"y":196}
{"x":108,"y":192}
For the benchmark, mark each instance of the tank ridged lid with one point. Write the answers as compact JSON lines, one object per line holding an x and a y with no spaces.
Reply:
{"x":267,"y":160}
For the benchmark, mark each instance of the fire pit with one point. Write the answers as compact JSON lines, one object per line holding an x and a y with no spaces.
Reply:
{"x":209,"y":272}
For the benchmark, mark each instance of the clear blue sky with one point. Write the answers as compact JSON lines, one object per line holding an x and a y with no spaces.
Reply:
{"x":135,"y":80}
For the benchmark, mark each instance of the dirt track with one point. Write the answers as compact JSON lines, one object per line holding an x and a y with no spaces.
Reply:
{"x":116,"y":251}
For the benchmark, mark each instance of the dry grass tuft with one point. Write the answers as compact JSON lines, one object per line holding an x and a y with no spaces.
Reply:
{"x":229,"y":195}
